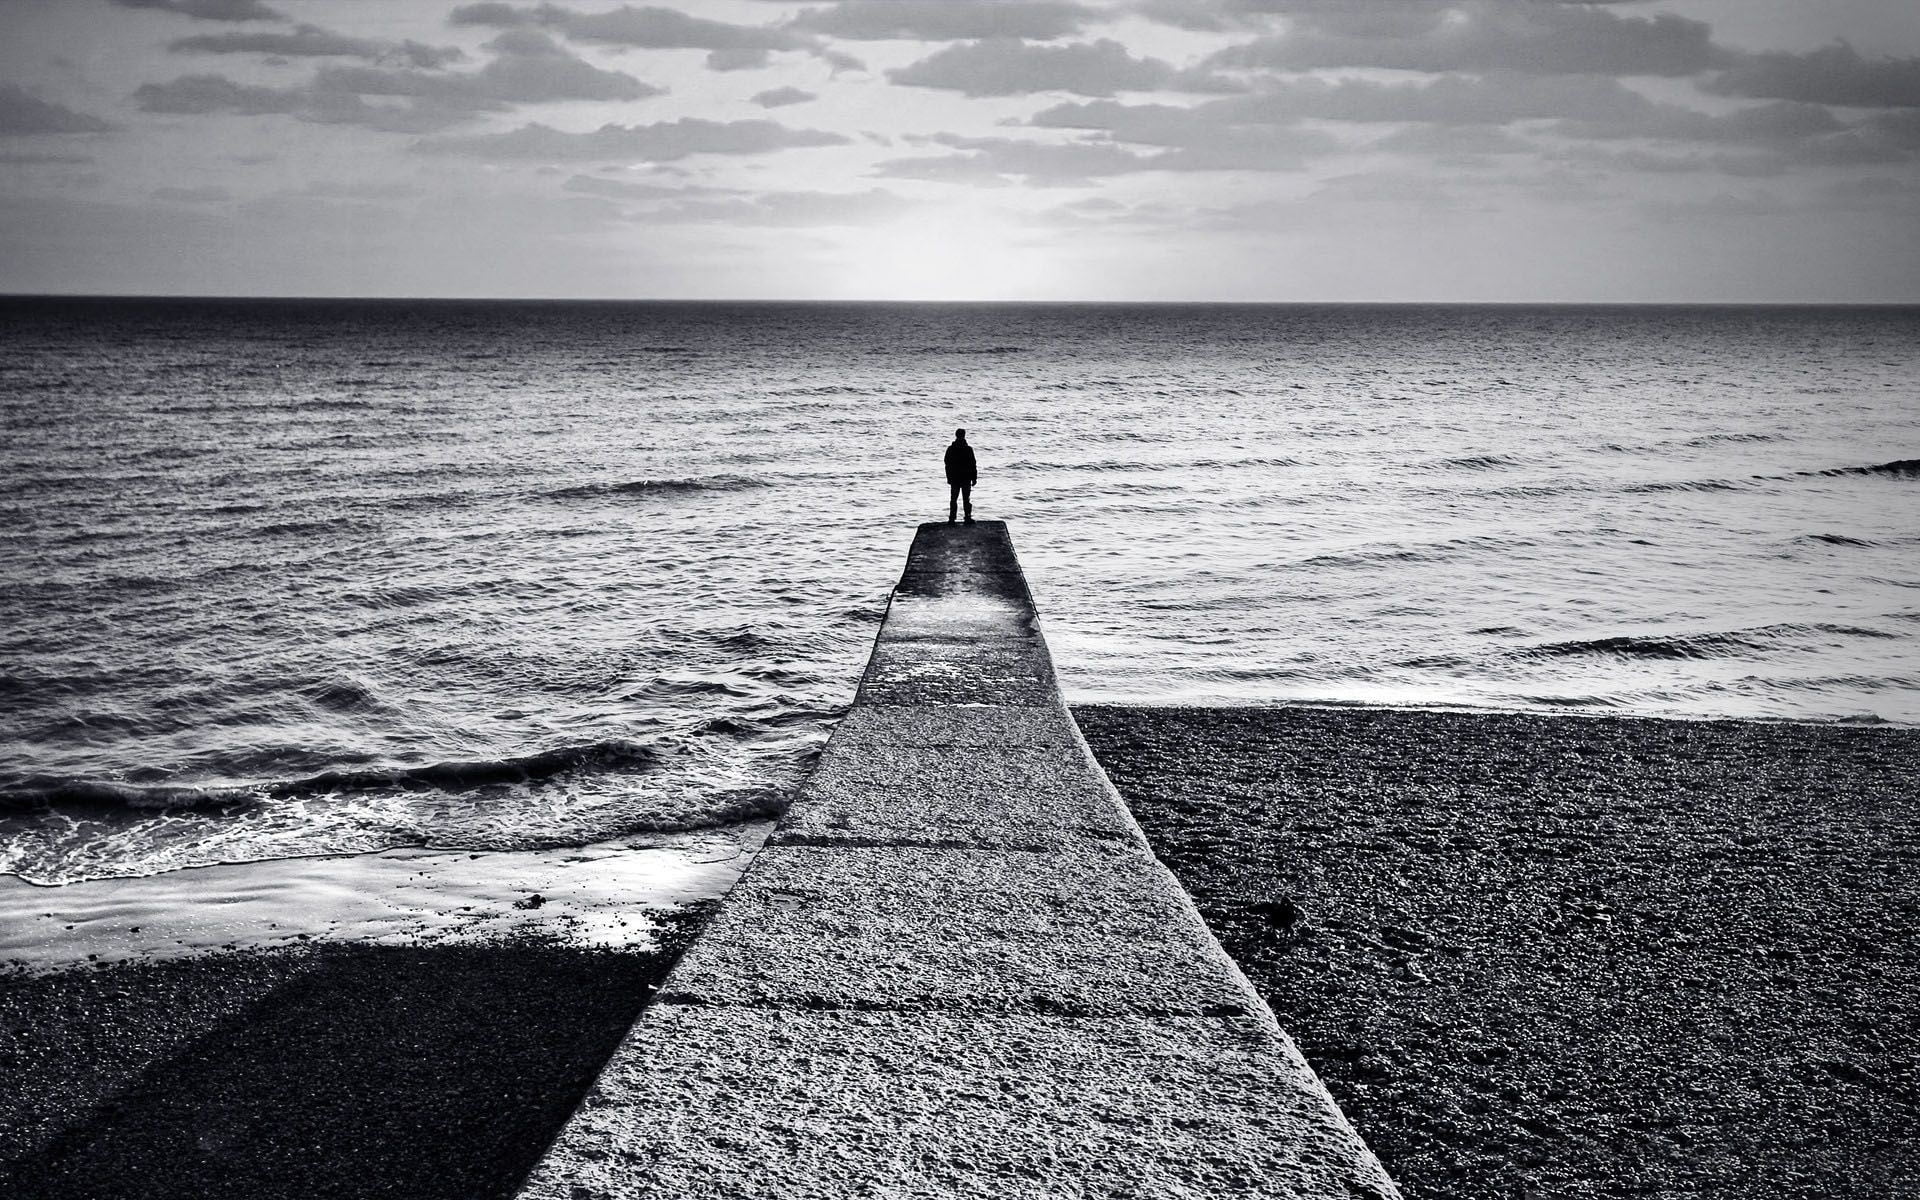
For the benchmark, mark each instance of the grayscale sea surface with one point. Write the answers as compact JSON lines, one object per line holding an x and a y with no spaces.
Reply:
{"x":319,"y":577}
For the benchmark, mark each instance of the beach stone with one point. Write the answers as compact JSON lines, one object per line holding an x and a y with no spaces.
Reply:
{"x":745,"y":1103}
{"x":1281,"y":914}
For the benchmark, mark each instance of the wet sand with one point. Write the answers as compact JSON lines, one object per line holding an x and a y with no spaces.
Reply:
{"x":329,"y":1070}
{"x":1566,"y":957}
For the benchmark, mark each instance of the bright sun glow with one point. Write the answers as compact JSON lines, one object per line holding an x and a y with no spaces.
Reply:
{"x":958,"y":252}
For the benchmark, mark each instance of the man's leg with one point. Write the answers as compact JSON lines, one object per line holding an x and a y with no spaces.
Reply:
{"x":966,"y":493}
{"x":953,"y":502}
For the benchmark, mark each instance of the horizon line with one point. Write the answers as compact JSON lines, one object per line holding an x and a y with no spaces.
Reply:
{"x":771,"y":300}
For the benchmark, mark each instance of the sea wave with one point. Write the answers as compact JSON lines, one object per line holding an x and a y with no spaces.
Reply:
{"x":1480,"y":462}
{"x":301,"y":528}
{"x":601,"y":757}
{"x":908,"y":350}
{"x":1838,"y":539}
{"x":828,"y":389}
{"x":1425,"y":552}
{"x":1714,"y":439}
{"x":661,"y":487}
{"x":1704,"y":645}
{"x":1899,"y":468}
{"x":1692,"y":485}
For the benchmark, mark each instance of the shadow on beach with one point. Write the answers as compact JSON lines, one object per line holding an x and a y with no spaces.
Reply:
{"x":333,"y":1070}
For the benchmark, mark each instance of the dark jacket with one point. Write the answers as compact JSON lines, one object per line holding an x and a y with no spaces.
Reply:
{"x":961,"y":470}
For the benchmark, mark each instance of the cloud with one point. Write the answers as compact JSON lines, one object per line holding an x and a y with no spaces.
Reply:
{"x":215,"y":95}
{"x":1874,"y":192}
{"x":209,"y":10}
{"x":623,"y":189}
{"x":946,"y":20}
{"x":199,"y":95}
{"x":1000,"y":160}
{"x":1455,"y":115}
{"x":23,"y":113}
{"x":1718,"y":208}
{"x":731,"y":47}
{"x":311,"y":41}
{"x":193,"y":195}
{"x":1354,"y":202}
{"x":666,"y":141}
{"x":1527,"y":36}
{"x":364,"y":191}
{"x":37,"y":160}
{"x":781,"y":97}
{"x":1780,"y":123}
{"x":1248,"y":148}
{"x":1887,"y":137}
{"x":303,"y":41}
{"x":1200,"y":16}
{"x":1901,"y":129}
{"x":1452,"y":141}
{"x":1008,"y":67}
{"x":789,"y":210}
{"x":527,"y":67}
{"x":1772,"y":137}
{"x":1639,"y":160}
{"x":1448,"y":100}
{"x":1240,"y":134}
{"x":1835,"y":74}
{"x":1386,"y":187}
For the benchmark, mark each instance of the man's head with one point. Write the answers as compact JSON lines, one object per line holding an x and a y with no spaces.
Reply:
{"x":959,"y":435}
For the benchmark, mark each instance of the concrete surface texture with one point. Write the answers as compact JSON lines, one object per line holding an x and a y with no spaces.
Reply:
{"x":957,"y":970}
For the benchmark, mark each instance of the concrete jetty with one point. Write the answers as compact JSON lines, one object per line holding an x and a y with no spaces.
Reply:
{"x":957,"y":969}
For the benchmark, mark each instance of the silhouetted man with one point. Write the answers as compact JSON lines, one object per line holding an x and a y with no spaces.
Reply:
{"x":961,"y":474}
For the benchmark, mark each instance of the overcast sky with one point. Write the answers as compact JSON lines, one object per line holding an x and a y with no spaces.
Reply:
{"x":964,"y":149}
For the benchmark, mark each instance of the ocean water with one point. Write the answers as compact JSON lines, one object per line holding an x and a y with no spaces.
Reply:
{"x":323,"y":577}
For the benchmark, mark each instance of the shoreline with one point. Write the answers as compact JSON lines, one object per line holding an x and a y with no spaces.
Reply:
{"x":601,"y":894}
{"x":1547,"y":712}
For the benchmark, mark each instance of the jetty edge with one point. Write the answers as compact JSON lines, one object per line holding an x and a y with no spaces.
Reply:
{"x":957,"y":969}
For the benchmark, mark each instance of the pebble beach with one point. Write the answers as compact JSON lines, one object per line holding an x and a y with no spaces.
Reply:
{"x":1563,"y":957}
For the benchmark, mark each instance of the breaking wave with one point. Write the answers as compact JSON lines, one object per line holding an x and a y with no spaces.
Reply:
{"x":1691,"y":485}
{"x":1712,"y":439}
{"x":1480,"y":462}
{"x":1717,"y":644}
{"x":661,"y":487}
{"x":1899,"y":468}
{"x":906,"y":350}
{"x":603,"y":757}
